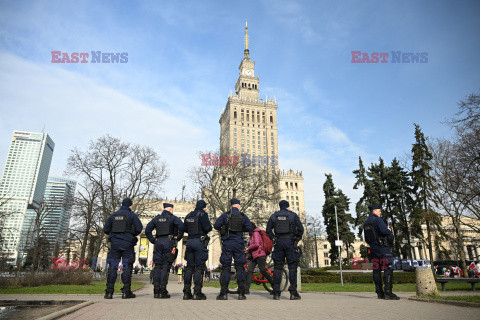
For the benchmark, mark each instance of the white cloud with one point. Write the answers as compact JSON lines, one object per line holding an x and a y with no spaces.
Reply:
{"x":76,"y":109}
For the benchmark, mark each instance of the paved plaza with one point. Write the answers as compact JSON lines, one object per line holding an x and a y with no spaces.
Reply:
{"x":259,"y":304}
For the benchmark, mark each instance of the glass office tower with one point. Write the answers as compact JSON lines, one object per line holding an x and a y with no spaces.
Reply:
{"x":22,"y":186}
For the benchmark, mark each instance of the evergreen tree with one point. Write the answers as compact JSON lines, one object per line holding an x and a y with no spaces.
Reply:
{"x":336,"y":198}
{"x":361,"y":207}
{"x":373,"y":181}
{"x":378,"y":193}
{"x":398,"y":187}
{"x":423,"y":188}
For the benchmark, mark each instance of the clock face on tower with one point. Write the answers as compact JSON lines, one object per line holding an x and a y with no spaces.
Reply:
{"x":248,"y":72}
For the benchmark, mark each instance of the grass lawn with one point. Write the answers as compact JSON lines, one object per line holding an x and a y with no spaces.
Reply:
{"x":96,"y":287}
{"x":354,"y":287}
{"x":474,"y":298}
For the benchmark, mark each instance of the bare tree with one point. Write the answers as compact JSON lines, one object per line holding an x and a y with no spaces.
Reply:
{"x":313,"y":230}
{"x":5,"y":230}
{"x":34,"y":241}
{"x":466,"y":124}
{"x":255,"y":184}
{"x":448,"y":195}
{"x":111,"y":170}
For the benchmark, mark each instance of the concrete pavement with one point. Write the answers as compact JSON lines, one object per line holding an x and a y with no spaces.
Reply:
{"x":259,"y":304}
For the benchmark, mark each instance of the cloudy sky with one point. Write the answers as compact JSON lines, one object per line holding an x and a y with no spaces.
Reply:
{"x":183,"y":59}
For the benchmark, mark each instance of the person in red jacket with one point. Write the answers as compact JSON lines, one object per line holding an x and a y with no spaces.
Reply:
{"x":256,"y":256}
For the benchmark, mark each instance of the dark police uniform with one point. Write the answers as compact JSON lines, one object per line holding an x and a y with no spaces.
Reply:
{"x":197,"y":225}
{"x":285,"y":229}
{"x":379,"y":238}
{"x":235,"y":224}
{"x":168,"y":228}
{"x":122,"y":228}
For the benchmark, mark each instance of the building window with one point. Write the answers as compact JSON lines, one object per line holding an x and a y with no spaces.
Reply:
{"x":325,"y":246}
{"x":325,"y":254}
{"x":327,"y":262}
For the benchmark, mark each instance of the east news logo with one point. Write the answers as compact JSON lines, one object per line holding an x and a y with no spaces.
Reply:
{"x":395,"y":57}
{"x":96,"y":57}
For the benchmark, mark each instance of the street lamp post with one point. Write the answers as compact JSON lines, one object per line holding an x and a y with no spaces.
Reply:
{"x":339,"y":246}
{"x":316,"y":249}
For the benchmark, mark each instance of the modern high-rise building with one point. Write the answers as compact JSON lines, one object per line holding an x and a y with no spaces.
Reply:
{"x":22,"y":186}
{"x":248,"y":127}
{"x":58,"y":201}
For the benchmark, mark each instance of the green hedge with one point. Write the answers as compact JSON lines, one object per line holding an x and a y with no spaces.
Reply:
{"x":407,"y":277}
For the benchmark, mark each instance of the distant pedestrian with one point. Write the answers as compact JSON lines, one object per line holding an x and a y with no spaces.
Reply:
{"x":180,"y":274}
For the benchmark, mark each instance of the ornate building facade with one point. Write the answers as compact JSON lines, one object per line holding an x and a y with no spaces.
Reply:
{"x":248,"y":127}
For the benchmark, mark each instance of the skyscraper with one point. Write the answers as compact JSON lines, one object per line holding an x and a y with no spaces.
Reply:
{"x":59,"y":193}
{"x":248,"y":126}
{"x":22,"y":186}
{"x":58,"y":198}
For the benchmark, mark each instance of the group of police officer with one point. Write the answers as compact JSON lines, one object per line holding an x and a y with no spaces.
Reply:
{"x":284,"y":228}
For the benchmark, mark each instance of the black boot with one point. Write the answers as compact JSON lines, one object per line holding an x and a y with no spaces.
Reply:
{"x":294,"y":295}
{"x":241,"y":295}
{"x":197,"y":290}
{"x":199,"y":296}
{"x":128,"y":295}
{"x":247,"y":292}
{"x":276,"y":296}
{"x":241,"y":290}
{"x":389,"y":295}
{"x":222,"y":296}
{"x":164,"y":293}
{"x":108,"y":294}
{"x":156,"y":293}
{"x":187,"y":295}
{"x":377,"y":279}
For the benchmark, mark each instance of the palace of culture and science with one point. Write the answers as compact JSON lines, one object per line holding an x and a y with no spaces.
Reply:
{"x":248,"y":125}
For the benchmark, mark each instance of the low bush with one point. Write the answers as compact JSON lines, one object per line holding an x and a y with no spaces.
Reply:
{"x":50,"y":277}
{"x":356,"y":278}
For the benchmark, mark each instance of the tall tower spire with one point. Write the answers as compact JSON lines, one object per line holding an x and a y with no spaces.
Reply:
{"x":246,"y":53}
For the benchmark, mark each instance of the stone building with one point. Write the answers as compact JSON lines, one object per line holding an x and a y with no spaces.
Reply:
{"x":248,"y":127}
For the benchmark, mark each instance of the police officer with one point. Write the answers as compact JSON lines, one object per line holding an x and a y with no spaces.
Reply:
{"x":122,"y":228}
{"x":197,"y":225}
{"x":232,"y":225}
{"x":169,"y":229}
{"x":379,"y":237}
{"x":285,"y":229}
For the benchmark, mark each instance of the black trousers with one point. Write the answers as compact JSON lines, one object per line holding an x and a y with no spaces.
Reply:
{"x":251,"y":264}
